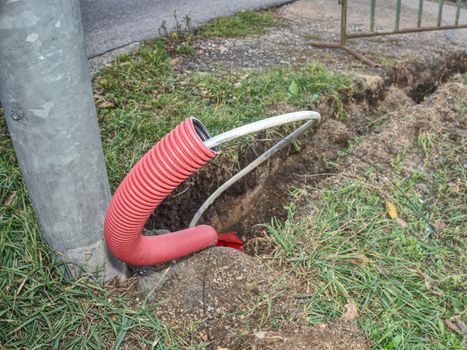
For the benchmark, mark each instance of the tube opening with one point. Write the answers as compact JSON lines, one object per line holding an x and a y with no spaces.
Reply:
{"x":203,"y":132}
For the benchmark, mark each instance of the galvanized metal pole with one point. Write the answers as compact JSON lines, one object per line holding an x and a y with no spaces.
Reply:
{"x":46,"y":93}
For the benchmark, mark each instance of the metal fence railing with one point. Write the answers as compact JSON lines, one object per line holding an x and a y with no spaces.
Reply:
{"x":418,"y":27}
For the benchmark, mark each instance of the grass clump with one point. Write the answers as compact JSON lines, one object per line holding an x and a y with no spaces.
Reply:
{"x":39,"y":309}
{"x":404,"y":282}
{"x":241,"y":24}
{"x":142,"y":97}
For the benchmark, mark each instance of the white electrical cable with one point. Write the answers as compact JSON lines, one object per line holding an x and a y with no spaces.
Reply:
{"x":264,"y":124}
{"x":261,"y":125}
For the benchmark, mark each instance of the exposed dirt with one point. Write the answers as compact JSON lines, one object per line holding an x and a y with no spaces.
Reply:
{"x":439,"y":115}
{"x":224,"y":299}
{"x":242,"y":294}
{"x":442,"y":115}
{"x":336,"y":335}
{"x":375,"y":96}
{"x":423,"y":62}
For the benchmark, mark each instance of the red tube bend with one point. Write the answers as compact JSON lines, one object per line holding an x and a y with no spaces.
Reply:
{"x":170,"y":162}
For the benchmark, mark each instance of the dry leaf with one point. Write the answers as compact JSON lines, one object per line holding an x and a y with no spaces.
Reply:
{"x":11,"y":198}
{"x":360,"y":259}
{"x":260,"y":335}
{"x":440,"y":225}
{"x":222,"y":348}
{"x":174,"y":61}
{"x":457,"y":325}
{"x":99,"y":97}
{"x":222,"y":48}
{"x":351,"y":313}
{"x":106,"y":105}
{"x":402,"y":222}
{"x":392,"y":211}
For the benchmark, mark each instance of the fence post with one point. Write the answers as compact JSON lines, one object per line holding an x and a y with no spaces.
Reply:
{"x":46,"y":93}
{"x":343,"y":33}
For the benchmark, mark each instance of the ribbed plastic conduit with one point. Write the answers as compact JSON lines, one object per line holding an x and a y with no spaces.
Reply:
{"x":170,"y":162}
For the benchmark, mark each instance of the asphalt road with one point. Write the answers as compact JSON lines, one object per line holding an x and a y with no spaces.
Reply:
{"x":110,"y":24}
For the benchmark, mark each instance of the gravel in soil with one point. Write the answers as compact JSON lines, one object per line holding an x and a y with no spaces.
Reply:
{"x":310,"y":21}
{"x":242,"y":294}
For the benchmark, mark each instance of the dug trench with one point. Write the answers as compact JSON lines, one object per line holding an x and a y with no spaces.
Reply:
{"x":262,"y":194}
{"x":220,"y":298}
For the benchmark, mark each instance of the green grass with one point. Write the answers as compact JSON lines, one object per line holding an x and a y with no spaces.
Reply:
{"x":386,"y":61}
{"x":404,"y":282}
{"x":312,"y":36}
{"x":145,"y":97}
{"x":242,"y":24}
{"x":41,"y":310}
{"x":140,"y":98}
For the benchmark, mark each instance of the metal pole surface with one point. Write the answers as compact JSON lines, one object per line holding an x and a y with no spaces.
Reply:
{"x":46,"y":94}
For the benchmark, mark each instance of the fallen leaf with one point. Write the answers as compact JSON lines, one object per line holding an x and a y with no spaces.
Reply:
{"x":106,"y":105}
{"x":293,"y":88}
{"x":174,"y":61}
{"x":440,"y":225}
{"x":402,"y":222}
{"x":260,"y":335}
{"x":360,"y":259}
{"x":392,"y":211}
{"x":99,"y":97}
{"x":222,"y":348}
{"x":222,"y":49}
{"x":351,"y":313}
{"x":243,"y":77}
{"x":457,"y":325}
{"x":11,"y":198}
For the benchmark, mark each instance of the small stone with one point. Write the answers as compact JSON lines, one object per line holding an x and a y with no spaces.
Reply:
{"x":422,"y":188}
{"x":260,"y":335}
{"x":222,"y":49}
{"x":393,"y":149}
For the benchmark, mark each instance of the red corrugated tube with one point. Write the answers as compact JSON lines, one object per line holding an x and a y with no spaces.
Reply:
{"x":170,"y":162}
